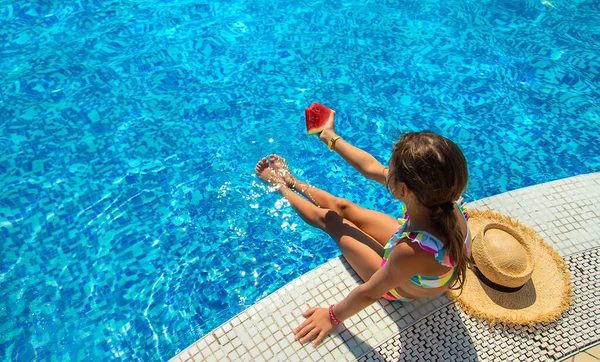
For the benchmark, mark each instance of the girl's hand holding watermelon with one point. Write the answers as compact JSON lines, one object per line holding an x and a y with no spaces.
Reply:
{"x":319,"y":120}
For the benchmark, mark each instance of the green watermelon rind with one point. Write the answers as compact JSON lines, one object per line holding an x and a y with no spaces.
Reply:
{"x":315,"y":131}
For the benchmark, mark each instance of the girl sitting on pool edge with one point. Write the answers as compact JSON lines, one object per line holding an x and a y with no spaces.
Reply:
{"x":425,"y":255}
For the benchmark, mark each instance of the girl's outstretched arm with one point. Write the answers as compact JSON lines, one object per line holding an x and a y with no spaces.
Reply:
{"x":361,"y":160}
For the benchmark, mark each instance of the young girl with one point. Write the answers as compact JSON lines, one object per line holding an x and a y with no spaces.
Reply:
{"x":425,"y":254}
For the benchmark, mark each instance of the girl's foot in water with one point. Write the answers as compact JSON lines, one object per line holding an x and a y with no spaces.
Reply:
{"x":266,"y":173}
{"x":282,"y":170}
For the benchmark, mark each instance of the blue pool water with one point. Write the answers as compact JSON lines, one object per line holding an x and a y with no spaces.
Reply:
{"x":131,"y":223}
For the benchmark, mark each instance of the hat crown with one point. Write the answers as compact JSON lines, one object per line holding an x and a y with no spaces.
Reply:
{"x":503,"y":255}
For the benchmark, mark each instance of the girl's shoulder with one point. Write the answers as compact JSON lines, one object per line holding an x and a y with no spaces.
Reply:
{"x":424,"y":241}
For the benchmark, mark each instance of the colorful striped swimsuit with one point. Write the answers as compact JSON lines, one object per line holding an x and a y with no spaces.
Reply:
{"x":428,"y":243}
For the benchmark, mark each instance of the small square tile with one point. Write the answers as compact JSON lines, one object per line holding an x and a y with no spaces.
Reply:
{"x":227,"y":348}
{"x":260,"y":326}
{"x":346,"y":335}
{"x":294,"y":358}
{"x":235,"y":355}
{"x":302,"y":353}
{"x":275,"y":348}
{"x":336,"y":354}
{"x":193,"y":350}
{"x":286,"y":330}
{"x":298,"y":346}
{"x":273,"y":328}
{"x":256,"y":339}
{"x":209,"y":339}
{"x":331,"y":344}
{"x":267,"y":354}
{"x":289,"y":351}
{"x":215,"y":346}
{"x":254,"y":352}
{"x":219,"y":355}
{"x":352,"y":355}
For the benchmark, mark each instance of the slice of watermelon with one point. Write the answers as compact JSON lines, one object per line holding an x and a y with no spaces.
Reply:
{"x":316,"y":117}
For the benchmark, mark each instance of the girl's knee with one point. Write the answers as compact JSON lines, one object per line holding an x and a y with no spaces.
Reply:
{"x":324,"y":216}
{"x":331,"y":222}
{"x":341,"y":205}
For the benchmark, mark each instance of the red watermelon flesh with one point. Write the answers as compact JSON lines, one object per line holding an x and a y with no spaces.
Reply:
{"x":316,"y":117}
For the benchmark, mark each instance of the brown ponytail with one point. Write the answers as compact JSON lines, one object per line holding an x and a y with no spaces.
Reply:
{"x":446,"y":221}
{"x":435,"y":170}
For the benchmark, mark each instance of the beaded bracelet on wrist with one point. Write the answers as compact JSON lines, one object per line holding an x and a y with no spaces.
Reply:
{"x":332,"y":317}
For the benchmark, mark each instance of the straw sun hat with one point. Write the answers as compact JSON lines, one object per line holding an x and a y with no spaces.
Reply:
{"x":515,"y":277}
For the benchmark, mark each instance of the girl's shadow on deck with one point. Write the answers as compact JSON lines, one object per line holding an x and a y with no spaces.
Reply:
{"x":428,"y":329}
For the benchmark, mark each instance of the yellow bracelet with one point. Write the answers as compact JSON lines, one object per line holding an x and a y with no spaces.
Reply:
{"x":331,"y":142}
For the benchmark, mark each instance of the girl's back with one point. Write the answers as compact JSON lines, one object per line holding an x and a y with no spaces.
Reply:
{"x":430,"y":266}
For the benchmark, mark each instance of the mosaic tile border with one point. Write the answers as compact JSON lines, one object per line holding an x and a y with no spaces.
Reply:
{"x":450,"y":334}
{"x":562,"y":212}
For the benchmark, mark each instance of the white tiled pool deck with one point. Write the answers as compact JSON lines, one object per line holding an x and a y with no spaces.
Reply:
{"x":566,"y":213}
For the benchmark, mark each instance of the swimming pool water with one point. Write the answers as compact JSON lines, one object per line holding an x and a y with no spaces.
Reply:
{"x":131,"y":223}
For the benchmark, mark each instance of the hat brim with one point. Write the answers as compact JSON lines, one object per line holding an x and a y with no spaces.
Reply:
{"x":542,"y":299}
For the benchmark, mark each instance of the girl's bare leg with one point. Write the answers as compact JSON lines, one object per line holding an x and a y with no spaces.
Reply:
{"x":376,"y":224}
{"x":361,"y":251}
